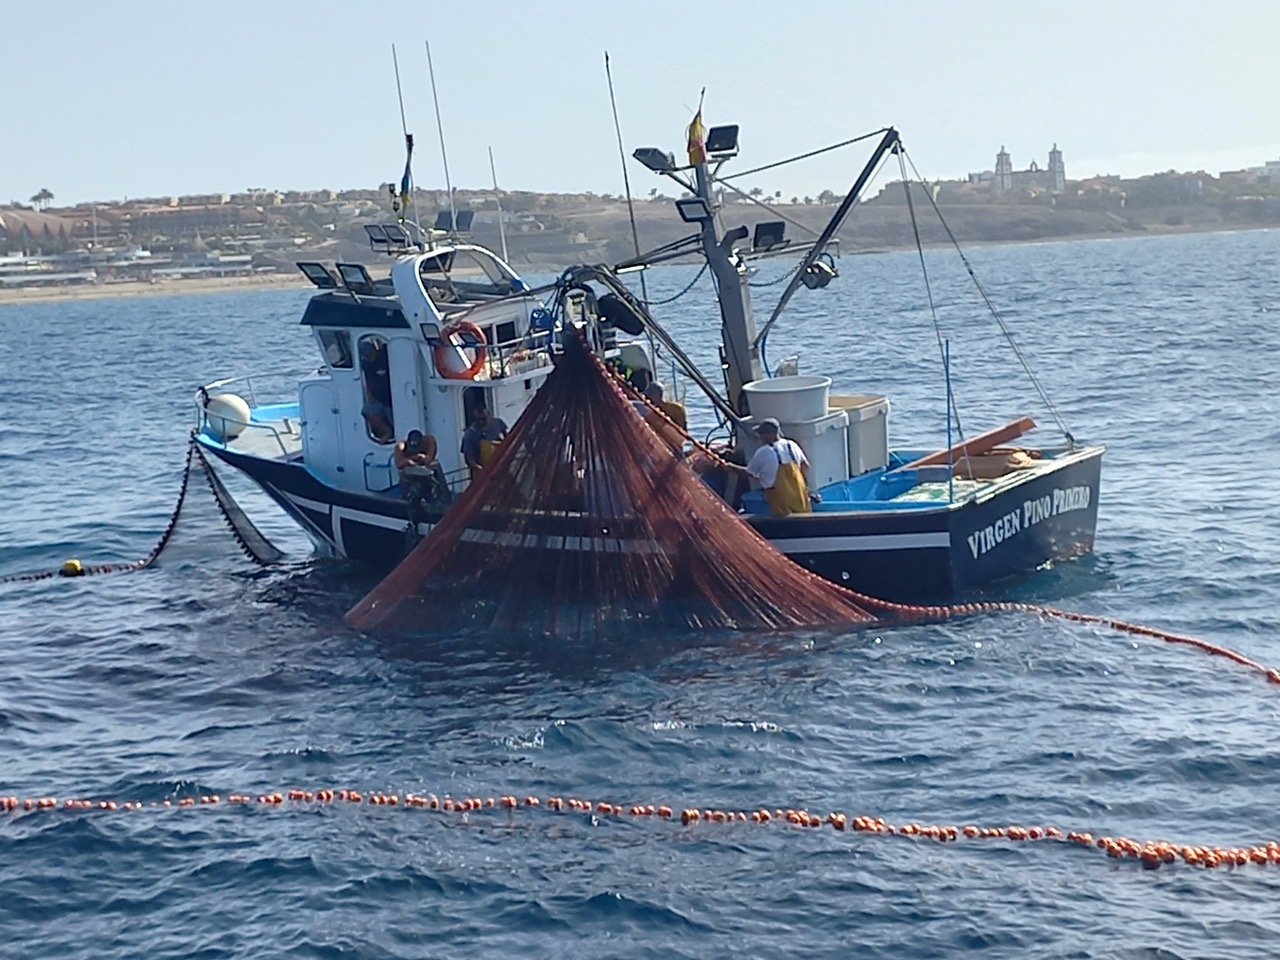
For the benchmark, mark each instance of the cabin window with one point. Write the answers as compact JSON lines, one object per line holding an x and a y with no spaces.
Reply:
{"x":501,"y":333}
{"x":375,"y":377}
{"x":459,"y":275}
{"x":336,"y":346}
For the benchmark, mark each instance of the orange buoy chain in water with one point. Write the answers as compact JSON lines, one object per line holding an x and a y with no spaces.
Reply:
{"x":904,"y":612}
{"x":910,"y":612}
{"x":74,"y":568}
{"x":1150,"y":853}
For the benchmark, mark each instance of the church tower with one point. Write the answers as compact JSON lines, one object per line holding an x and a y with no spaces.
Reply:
{"x":1057,"y":171}
{"x":1004,"y":171}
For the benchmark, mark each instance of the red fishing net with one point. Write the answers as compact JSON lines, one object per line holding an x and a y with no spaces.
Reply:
{"x":585,"y":524}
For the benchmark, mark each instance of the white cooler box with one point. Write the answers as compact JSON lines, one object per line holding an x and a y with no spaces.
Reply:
{"x":868,"y":434}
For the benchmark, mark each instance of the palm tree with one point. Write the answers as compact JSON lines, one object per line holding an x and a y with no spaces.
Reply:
{"x":42,"y":198}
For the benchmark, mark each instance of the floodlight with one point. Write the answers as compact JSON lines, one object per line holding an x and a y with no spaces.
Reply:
{"x":655,"y":159}
{"x":397,"y":236}
{"x":356,"y":278}
{"x":693,"y":210}
{"x":377,"y":236}
{"x":318,"y":274}
{"x":769,"y":234}
{"x":722,"y":142}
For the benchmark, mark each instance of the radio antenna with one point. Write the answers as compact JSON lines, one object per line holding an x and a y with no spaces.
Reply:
{"x":405,"y":198}
{"x":444,"y":156}
{"x":502,"y":230}
{"x":404,"y":127}
{"x":626,"y":180}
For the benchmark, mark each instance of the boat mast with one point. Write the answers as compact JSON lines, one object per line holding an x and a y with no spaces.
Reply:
{"x":444,"y":154}
{"x":497,"y":197}
{"x":739,"y":353}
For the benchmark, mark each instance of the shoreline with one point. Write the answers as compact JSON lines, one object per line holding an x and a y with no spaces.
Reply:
{"x":110,"y":291}
{"x":285,"y":281}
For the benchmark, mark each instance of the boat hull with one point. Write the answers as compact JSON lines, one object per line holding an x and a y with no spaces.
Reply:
{"x":366,"y":528}
{"x":909,"y":555}
{"x":955,"y":550}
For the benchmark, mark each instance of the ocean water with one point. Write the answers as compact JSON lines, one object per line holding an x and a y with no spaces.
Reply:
{"x":207,"y":675}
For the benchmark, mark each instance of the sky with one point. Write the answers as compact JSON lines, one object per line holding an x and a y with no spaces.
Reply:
{"x":103,"y":101}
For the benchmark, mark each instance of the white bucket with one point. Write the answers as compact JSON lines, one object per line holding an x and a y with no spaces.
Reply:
{"x":788,"y":399}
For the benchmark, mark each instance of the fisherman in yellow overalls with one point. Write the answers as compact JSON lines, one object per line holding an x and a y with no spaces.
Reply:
{"x":672,"y":423}
{"x":480,"y":440}
{"x":781,"y":468}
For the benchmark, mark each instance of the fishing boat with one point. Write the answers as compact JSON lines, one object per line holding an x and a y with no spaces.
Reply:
{"x":458,"y":330}
{"x":452,"y":329}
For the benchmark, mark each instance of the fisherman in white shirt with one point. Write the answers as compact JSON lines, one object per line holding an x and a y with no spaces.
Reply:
{"x":781,"y":469}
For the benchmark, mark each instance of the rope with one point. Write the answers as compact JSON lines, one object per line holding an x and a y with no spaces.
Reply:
{"x":999,"y":318}
{"x":74,"y":568}
{"x":1152,"y":854}
{"x":774,"y":211}
{"x":803,"y":156}
{"x":910,"y":613}
{"x":261,"y":551}
{"x":953,"y":407}
{"x":627,"y":391}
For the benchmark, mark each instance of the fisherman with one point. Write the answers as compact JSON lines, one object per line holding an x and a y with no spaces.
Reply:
{"x":481,"y":439}
{"x":672,"y":423}
{"x":781,"y":469}
{"x":422,"y":479}
{"x":377,"y":390}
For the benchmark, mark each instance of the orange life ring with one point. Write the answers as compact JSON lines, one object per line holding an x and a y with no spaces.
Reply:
{"x":446,"y":336}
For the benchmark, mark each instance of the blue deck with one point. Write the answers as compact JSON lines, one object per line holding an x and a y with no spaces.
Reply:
{"x":874,"y":490}
{"x":276,"y":411}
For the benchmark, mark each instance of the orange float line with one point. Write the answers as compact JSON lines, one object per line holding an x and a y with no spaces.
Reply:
{"x":1150,"y":853}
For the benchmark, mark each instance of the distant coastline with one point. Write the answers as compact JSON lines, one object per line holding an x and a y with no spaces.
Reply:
{"x":285,"y":279}
{"x":105,"y":291}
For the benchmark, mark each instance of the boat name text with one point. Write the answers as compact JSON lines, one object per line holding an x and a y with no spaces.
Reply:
{"x":1061,"y":500}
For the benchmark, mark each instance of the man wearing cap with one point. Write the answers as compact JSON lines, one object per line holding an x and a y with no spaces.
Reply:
{"x":422,"y":479}
{"x":480,"y":440}
{"x":781,"y":468}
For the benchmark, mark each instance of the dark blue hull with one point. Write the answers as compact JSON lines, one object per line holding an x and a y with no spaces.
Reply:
{"x":911,"y":555}
{"x":954,"y":550}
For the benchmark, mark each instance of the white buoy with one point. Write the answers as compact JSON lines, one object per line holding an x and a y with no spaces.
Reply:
{"x":225,"y":416}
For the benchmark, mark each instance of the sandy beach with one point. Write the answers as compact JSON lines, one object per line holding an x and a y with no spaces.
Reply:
{"x":158,"y":288}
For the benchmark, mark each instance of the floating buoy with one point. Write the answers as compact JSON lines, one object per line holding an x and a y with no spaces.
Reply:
{"x":71,"y":568}
{"x":225,"y":416}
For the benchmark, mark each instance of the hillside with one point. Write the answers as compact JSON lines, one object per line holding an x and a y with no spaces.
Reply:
{"x":602,"y":228}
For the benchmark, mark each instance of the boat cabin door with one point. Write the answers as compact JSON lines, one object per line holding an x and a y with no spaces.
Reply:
{"x":391,"y":405}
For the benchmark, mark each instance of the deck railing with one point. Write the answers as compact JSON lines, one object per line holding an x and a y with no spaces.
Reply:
{"x":253,"y":389}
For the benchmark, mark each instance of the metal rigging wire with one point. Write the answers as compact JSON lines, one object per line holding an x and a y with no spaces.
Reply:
{"x":1004,"y":328}
{"x":953,"y":408}
{"x":760,"y":203}
{"x":805,"y":156}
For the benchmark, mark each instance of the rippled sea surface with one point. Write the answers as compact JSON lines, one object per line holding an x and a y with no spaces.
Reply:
{"x":206,"y":675}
